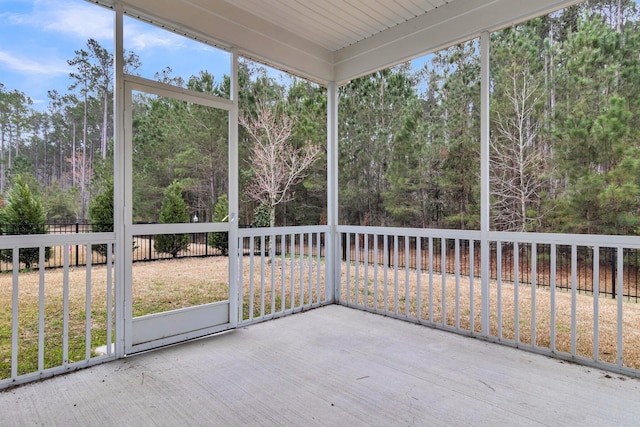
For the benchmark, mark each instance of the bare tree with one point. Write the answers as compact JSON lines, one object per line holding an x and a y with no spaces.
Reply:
{"x":518,"y":156}
{"x":276,"y":164}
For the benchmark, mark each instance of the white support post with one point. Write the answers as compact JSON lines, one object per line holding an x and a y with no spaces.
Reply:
{"x":233,"y":195}
{"x":119,"y":185}
{"x":333,"y":241}
{"x":484,"y":178}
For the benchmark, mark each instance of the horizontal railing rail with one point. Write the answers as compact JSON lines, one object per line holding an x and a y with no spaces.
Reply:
{"x":548,"y":293}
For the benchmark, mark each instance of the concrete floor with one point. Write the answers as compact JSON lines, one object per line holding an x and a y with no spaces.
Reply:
{"x":330,"y":366}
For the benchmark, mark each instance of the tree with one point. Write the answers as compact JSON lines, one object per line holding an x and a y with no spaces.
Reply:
{"x":276,"y":165}
{"x":519,"y":145}
{"x":174,"y":210}
{"x":220,"y":240}
{"x":23,"y":215}
{"x":101,"y":213}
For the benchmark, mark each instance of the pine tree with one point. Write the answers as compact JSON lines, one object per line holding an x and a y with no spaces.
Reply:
{"x":23,"y":214}
{"x":101,"y":213}
{"x":174,"y":210}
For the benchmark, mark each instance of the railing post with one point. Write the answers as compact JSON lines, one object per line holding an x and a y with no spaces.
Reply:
{"x":484,"y":179}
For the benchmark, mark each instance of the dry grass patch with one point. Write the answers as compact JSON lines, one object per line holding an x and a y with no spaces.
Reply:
{"x":438,"y":305}
{"x":282,"y":284}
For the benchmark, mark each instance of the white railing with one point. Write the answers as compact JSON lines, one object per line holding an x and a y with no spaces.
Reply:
{"x":573,"y":297}
{"x":60,"y":319}
{"x":281,"y":271}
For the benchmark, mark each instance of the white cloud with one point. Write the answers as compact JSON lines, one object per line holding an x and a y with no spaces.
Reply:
{"x":75,"y":18}
{"x":31,"y":66}
{"x":140,"y":36}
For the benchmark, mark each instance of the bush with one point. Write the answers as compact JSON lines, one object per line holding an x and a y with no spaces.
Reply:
{"x":220,"y":241}
{"x":174,"y":210}
{"x":101,"y":214}
{"x":23,"y":214}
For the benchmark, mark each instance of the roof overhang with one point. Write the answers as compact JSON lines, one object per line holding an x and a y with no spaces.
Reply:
{"x":318,"y":54}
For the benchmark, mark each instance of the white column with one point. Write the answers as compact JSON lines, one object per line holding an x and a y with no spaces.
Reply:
{"x":119,"y":186}
{"x":333,"y":241}
{"x":234,"y":292}
{"x":484,"y":178}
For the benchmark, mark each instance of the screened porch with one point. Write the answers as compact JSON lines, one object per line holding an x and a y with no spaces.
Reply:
{"x":346,"y":323}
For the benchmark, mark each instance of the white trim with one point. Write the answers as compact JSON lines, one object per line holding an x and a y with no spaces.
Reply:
{"x":233,"y":192}
{"x":119,"y":186}
{"x":485,"y":187}
{"x":162,"y":89}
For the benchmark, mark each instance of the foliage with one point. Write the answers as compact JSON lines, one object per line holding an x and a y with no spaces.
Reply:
{"x":174,"y":210}
{"x":564,"y":135}
{"x":101,"y":213}
{"x":23,"y":214}
{"x":220,"y":240}
{"x":261,"y":216}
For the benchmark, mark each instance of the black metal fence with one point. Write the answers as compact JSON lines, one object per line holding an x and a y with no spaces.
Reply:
{"x":563,"y":272}
{"x":143,"y":246}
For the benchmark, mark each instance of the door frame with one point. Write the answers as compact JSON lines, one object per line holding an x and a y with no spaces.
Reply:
{"x":160,"y":329}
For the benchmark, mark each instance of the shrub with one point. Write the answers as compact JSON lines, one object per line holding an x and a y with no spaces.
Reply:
{"x":219,"y":240}
{"x":23,"y":214}
{"x":174,"y":210}
{"x":101,"y":214}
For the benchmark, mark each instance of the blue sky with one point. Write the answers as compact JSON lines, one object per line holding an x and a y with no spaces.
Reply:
{"x":37,"y":37}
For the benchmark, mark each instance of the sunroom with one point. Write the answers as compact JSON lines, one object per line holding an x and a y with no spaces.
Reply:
{"x":569,"y":296}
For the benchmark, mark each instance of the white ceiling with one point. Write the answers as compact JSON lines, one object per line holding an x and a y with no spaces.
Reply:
{"x":336,"y":40}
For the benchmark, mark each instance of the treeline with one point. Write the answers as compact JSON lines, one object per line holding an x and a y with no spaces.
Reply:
{"x":564,"y":126}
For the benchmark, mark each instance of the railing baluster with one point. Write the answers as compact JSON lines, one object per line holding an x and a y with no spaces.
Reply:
{"x":14,"y":312}
{"x":472,"y":304}
{"x":301,"y":268}
{"x":375,"y":272}
{"x":457,"y":275}
{"x":272,"y":259}
{"x":65,"y":307}
{"x":431,"y":279}
{"x":499,"y":285}
{"x":395,"y":274}
{"x":348,"y":262}
{"x":418,"y":278}
{"x":88,"y":302}
{"x":619,"y":293}
{"x":516,"y":292}
{"x":443,"y":272}
{"x":407,"y":261}
{"x":41,"y":307}
{"x":251,"y":279}
{"x":574,"y":298}
{"x":310,"y":266}
{"x":552,"y":284}
{"x":534,"y":265}
{"x":386,"y":272}
{"x":262,"y":290}
{"x":292,"y":272}
{"x":109,"y":339}
{"x":596,"y":302}
{"x":365,"y":280}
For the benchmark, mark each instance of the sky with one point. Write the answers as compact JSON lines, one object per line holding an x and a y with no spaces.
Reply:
{"x":38,"y":37}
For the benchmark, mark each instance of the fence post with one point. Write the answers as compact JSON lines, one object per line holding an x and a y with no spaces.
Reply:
{"x":613,"y":272}
{"x":150,"y":246}
{"x":344,"y":246}
{"x":77,"y":231}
